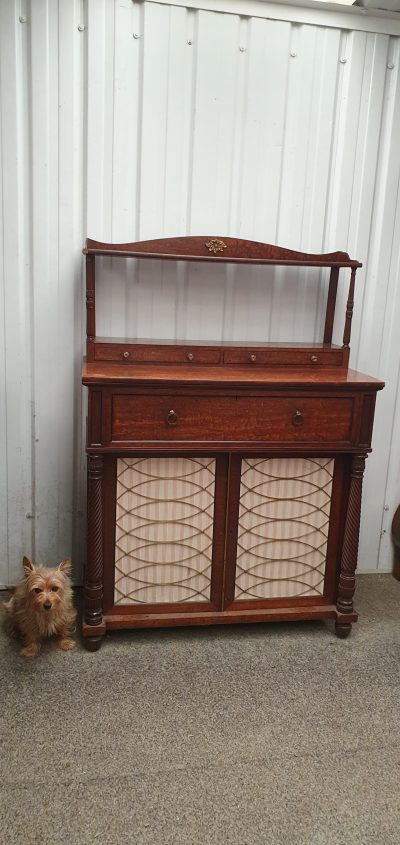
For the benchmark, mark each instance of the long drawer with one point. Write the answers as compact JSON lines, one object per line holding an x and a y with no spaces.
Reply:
{"x":147,"y":353}
{"x":287,"y":357}
{"x":215,"y":418}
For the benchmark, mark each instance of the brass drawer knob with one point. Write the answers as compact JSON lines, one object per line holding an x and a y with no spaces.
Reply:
{"x":314,"y":359}
{"x":253,"y":358}
{"x":126,"y":354}
{"x":190,"y":356}
{"x":172,"y":418}
{"x":297,"y":418}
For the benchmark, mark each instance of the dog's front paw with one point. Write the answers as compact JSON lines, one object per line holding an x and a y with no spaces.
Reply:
{"x":66,"y":644}
{"x":30,"y":650}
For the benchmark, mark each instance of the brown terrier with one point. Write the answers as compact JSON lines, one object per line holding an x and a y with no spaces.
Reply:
{"x":42,"y":606}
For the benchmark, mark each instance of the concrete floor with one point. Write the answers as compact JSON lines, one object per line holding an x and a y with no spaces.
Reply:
{"x":246,"y":735}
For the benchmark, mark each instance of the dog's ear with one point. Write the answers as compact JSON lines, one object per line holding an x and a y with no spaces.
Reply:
{"x":27,"y":566}
{"x":65,"y":566}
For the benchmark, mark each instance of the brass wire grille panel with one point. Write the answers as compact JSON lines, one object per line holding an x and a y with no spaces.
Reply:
{"x":283,"y":527}
{"x":164,"y":530}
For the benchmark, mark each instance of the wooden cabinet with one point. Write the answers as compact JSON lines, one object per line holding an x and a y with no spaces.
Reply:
{"x":224,"y":480}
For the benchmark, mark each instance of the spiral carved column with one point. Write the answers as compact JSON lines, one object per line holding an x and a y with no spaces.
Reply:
{"x":347,"y":581}
{"x":93,"y":592}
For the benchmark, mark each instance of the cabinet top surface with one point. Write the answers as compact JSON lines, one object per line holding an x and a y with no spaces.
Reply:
{"x":184,"y":375}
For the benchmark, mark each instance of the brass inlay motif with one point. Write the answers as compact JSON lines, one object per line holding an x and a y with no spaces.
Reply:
{"x":215,"y":245}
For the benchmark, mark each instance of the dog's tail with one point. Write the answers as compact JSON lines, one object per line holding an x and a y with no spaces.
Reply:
{"x":9,"y":623}
{"x":7,"y":606}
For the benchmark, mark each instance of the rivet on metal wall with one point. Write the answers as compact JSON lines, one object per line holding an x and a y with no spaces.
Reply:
{"x":242,"y":49}
{"x":293,"y":54}
{"x":390,"y":66}
{"x":22,"y":19}
{"x":81,"y":28}
{"x":190,"y":43}
{"x":343,"y":60}
{"x":136,"y":35}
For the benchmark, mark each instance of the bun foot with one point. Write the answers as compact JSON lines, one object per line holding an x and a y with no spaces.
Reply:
{"x":342,"y":629}
{"x":92,"y":635}
{"x":92,"y":643}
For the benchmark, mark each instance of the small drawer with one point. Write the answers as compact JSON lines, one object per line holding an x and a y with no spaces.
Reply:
{"x":147,"y":354}
{"x":283,"y":357}
{"x":213,"y":418}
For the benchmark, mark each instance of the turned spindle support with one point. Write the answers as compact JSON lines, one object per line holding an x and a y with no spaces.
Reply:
{"x":349,"y":310}
{"x":90,"y":306}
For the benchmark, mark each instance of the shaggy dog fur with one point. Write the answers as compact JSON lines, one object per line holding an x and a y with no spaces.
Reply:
{"x":41,"y":606}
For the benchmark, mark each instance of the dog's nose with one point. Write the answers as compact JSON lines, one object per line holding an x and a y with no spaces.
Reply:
{"x":47,"y":605}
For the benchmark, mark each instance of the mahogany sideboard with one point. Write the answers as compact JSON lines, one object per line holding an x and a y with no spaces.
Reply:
{"x":224,"y":479}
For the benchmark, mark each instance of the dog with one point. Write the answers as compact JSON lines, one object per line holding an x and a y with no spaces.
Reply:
{"x":41,"y":606}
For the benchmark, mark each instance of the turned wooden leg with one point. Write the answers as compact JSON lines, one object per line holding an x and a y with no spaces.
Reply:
{"x":347,"y":581}
{"x":93,"y":626}
{"x":92,"y":643}
{"x":342,"y":629}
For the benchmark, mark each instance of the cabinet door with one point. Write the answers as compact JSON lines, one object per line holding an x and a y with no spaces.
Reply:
{"x":283,"y":532}
{"x":165,"y":543}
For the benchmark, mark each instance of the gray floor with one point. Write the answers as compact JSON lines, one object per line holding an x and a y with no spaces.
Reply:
{"x":247,"y":735}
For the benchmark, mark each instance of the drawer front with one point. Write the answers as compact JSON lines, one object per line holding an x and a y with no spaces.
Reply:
{"x":213,"y":418}
{"x":162,"y":354}
{"x":292,"y":357}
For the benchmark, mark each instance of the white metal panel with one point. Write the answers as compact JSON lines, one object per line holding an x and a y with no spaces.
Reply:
{"x":223,"y":117}
{"x":42,"y":93}
{"x":15,"y":389}
{"x":378,"y":349}
{"x":56,"y":220}
{"x":301,"y":11}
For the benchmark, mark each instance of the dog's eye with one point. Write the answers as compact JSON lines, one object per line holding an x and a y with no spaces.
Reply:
{"x":38,"y":590}
{"x":54,"y":589}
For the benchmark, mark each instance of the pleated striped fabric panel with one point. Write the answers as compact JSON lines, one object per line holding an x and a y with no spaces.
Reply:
{"x":283,"y":527}
{"x":164,"y":529}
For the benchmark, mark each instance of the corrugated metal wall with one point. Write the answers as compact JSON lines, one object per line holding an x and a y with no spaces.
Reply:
{"x":125,"y":120}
